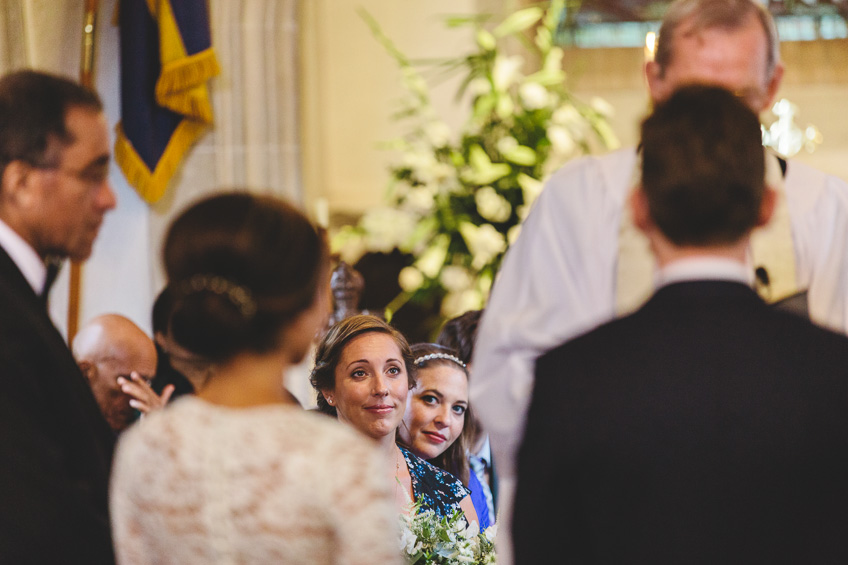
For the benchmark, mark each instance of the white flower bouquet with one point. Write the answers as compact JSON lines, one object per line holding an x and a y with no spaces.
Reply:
{"x":457,"y":199}
{"x":429,"y":540}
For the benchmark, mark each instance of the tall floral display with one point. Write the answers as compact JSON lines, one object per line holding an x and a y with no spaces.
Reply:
{"x":456,"y":199}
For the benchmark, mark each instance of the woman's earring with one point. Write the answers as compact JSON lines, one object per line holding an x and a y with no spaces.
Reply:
{"x":330,"y":400}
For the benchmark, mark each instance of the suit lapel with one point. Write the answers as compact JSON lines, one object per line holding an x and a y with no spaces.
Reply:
{"x":30,"y":313}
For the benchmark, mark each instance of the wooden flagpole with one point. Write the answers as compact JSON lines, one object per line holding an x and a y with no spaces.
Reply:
{"x":87,"y":80}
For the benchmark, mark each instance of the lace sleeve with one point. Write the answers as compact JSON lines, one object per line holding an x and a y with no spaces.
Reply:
{"x":130,"y":545}
{"x":366,"y":518}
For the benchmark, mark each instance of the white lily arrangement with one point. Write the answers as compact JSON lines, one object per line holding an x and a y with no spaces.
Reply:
{"x":429,"y":540}
{"x":457,"y":199}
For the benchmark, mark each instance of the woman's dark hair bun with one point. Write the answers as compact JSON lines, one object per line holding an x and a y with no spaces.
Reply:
{"x":240,"y":267}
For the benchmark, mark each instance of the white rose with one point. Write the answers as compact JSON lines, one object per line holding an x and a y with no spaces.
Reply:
{"x":455,"y":278}
{"x":437,"y":133}
{"x":420,"y":199}
{"x":506,"y":71}
{"x":410,"y":279}
{"x":387,"y":228}
{"x":566,"y":115}
{"x":533,"y":95}
{"x":484,"y":242}
{"x":456,"y":303}
{"x":491,"y":205}
{"x":506,"y":144}
{"x":561,"y":141}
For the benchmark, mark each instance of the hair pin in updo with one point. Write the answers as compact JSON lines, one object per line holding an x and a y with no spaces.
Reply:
{"x":235,"y":293}
{"x":431,"y":356}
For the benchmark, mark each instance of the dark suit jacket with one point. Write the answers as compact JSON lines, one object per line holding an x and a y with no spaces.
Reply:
{"x":55,"y":446}
{"x":704,"y":428}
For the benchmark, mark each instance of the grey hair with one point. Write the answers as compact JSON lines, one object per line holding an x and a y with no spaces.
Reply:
{"x":709,"y":14}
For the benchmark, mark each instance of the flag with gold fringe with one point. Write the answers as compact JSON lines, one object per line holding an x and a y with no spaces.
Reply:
{"x":166,"y":61}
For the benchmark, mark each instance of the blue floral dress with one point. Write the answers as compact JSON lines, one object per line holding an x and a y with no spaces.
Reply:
{"x":437,"y":489}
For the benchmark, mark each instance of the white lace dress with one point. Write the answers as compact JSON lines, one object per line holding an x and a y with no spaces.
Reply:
{"x":200,"y":483}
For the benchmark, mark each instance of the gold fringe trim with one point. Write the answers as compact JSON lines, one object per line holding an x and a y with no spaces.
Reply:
{"x":179,"y":83}
{"x":151,"y":186}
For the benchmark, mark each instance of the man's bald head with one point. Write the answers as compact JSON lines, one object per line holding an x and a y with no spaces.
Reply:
{"x":108,"y":347}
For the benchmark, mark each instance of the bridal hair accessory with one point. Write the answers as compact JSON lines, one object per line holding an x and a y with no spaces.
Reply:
{"x":234,"y":292}
{"x":431,"y":356}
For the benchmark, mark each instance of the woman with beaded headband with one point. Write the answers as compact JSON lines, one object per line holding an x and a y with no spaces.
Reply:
{"x":436,"y":425}
{"x":363,"y":373}
{"x":238,"y":473}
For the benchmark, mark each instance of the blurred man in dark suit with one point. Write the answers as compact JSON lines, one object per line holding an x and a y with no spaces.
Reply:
{"x":706,"y":427}
{"x":55,"y":446}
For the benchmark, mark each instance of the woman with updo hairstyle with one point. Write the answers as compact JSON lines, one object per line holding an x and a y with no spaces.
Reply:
{"x":237,"y":473}
{"x":363,"y":373}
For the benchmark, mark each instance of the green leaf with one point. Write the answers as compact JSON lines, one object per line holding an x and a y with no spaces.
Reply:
{"x":477,"y":158}
{"x":547,"y":77}
{"x":521,"y":155}
{"x":544,"y":41}
{"x":553,"y":15}
{"x":518,"y":21}
{"x":378,"y":34}
{"x":486,"y":40}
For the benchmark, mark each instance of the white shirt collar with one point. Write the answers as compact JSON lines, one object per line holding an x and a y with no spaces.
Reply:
{"x":485,"y":452}
{"x":705,"y":268}
{"x":24,"y":256}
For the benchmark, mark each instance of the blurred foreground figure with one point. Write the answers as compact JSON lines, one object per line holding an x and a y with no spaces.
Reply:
{"x":238,"y":473}
{"x":580,"y":260}
{"x":119,"y":360}
{"x":55,"y":446}
{"x":716,"y":431}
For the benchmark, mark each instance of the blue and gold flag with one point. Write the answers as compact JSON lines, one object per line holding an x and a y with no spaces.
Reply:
{"x":166,"y":62}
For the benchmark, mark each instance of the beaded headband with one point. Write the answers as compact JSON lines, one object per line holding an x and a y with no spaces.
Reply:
{"x":235,"y":293}
{"x":430,"y":356}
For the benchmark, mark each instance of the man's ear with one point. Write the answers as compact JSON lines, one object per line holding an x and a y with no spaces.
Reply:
{"x":767,"y":206}
{"x":772,"y":87}
{"x":656,"y":85}
{"x":88,"y":369}
{"x":16,"y":183}
{"x":640,"y":209}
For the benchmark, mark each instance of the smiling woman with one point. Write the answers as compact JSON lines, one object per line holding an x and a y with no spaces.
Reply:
{"x":363,"y":373}
{"x":436,"y":409}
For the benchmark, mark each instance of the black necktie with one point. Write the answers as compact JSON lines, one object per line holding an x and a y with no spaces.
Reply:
{"x":53,"y":265}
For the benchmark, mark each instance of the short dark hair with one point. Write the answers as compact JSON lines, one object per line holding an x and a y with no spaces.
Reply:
{"x":330,"y":350}
{"x":460,"y":333}
{"x":703,"y":166}
{"x":240,"y":268}
{"x":33,"y":108}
